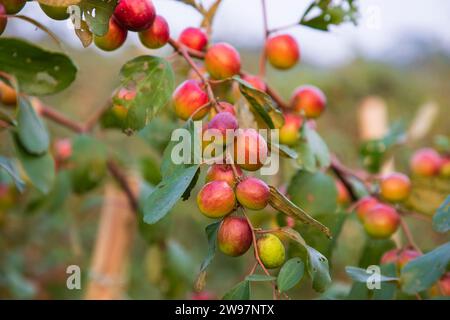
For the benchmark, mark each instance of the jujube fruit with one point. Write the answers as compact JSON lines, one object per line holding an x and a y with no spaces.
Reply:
{"x":289,"y":132}
{"x":309,"y":101}
{"x":234,"y":236}
{"x":8,"y":95}
{"x":425,"y":162}
{"x":135,"y":15}
{"x":194,"y":38}
{"x":364,"y":205}
{"x":395,"y":187}
{"x":223,"y":172}
{"x":216,"y":199}
{"x":55,"y":12}
{"x":188,"y":98}
{"x":381,"y":221}
{"x":250,"y":149}
{"x":113,"y":39}
{"x":222,"y":61}
{"x":343,"y":197}
{"x":157,"y":35}
{"x":225,"y":123}
{"x":271,"y":251}
{"x":255,"y":81}
{"x":253,"y":193}
{"x":282,"y":51}
{"x":3,"y":18}
{"x":13,"y":6}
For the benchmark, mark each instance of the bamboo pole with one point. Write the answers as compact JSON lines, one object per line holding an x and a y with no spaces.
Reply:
{"x":107,"y":277}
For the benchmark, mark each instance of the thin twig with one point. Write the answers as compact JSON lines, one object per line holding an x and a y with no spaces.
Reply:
{"x":408,"y":235}
{"x":121,"y":179}
{"x":262,"y":59}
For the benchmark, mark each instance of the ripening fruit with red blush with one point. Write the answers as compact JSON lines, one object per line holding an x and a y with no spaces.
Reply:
{"x":216,"y":199}
{"x":157,"y":35}
{"x":55,"y":12}
{"x":135,"y":15}
{"x":444,"y":284}
{"x":381,"y":221}
{"x":390,"y":256}
{"x":63,"y":149}
{"x":227,"y":107}
{"x":223,"y":172}
{"x":282,"y":51}
{"x":395,"y":187}
{"x":250,"y":149}
{"x":3,"y":18}
{"x":425,"y":162}
{"x":222,"y":61}
{"x":309,"y":101}
{"x":364,"y":205}
{"x":194,"y":38}
{"x":225,"y":123}
{"x":343,"y":197}
{"x":113,"y":39}
{"x":188,"y":98}
{"x":290,"y":131}
{"x":203,"y":295}
{"x":13,"y":6}
{"x":255,"y":81}
{"x":444,"y":171}
{"x":119,"y":110}
{"x":253,"y":193}
{"x":234,"y":236}
{"x":399,"y":257}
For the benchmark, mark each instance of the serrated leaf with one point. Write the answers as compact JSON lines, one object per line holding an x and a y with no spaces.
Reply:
{"x":31,"y":131}
{"x":260,"y":278}
{"x":9,"y":166}
{"x":239,"y":292}
{"x":167,"y":193}
{"x":361,"y":275}
{"x":262,"y":104}
{"x":39,"y":169}
{"x":422,"y":272}
{"x":38,"y":71}
{"x":290,"y":274}
{"x":153,"y":80}
{"x":278,"y":201}
{"x":441,"y":219}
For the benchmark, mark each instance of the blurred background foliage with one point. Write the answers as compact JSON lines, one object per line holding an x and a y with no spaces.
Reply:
{"x":39,"y":237}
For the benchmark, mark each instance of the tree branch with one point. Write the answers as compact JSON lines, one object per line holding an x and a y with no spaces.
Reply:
{"x":121,"y":179}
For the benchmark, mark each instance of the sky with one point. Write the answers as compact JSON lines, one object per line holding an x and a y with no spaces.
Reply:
{"x":382,"y":32}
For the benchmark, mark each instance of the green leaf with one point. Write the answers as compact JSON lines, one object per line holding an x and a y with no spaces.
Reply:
{"x":260,"y":278}
{"x":373,"y":251}
{"x":211,"y":234}
{"x":153,"y":80}
{"x":387,"y":290}
{"x":187,"y":193}
{"x":167,"y":193}
{"x":39,"y":72}
{"x":422,"y":272}
{"x":290,"y":274}
{"x":441,"y":219}
{"x":239,"y":292}
{"x":10,"y":167}
{"x":157,"y":133}
{"x":327,"y":13}
{"x":314,"y":192}
{"x":313,"y":151}
{"x":31,"y":130}
{"x":283,"y":150}
{"x":39,"y":169}
{"x":97,"y":14}
{"x":361,"y":275}
{"x":261,"y":104}
{"x":318,"y":269}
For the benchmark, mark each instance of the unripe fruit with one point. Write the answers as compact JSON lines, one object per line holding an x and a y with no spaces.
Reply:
{"x":399,"y":257}
{"x":3,"y":18}
{"x":271,"y":251}
{"x":157,"y":35}
{"x":282,"y":51}
{"x":253,"y":193}
{"x":381,"y":221}
{"x":250,"y":149}
{"x":119,"y":110}
{"x":222,"y":61}
{"x":13,"y":6}
{"x":188,"y":98}
{"x":8,"y":95}
{"x":395,"y":187}
{"x":425,"y":162}
{"x":343,"y":197}
{"x":364,"y":205}
{"x":255,"y":81}
{"x":135,"y":15}
{"x":223,"y":122}
{"x":56,"y":13}
{"x":444,"y":171}
{"x":234,"y":236}
{"x":289,"y":132}
{"x":216,"y":199}
{"x":308,"y":100}
{"x":113,"y":39}
{"x":223,"y":172}
{"x":194,"y":38}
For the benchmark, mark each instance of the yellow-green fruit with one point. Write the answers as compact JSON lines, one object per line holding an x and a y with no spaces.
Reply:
{"x":271,"y":251}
